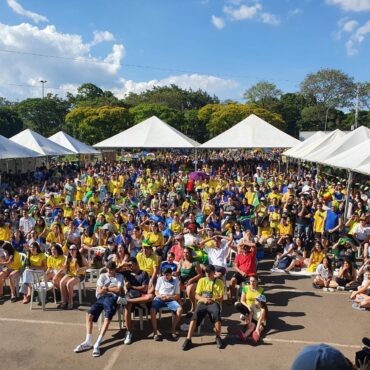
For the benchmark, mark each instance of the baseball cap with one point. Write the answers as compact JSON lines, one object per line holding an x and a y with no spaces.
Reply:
{"x":320,"y":357}
{"x":261,"y":298}
{"x":290,"y":186}
{"x":73,"y":247}
{"x":146,"y":243}
{"x":91,"y":214}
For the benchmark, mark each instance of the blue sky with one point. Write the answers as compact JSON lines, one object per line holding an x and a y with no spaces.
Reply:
{"x":222,"y":46}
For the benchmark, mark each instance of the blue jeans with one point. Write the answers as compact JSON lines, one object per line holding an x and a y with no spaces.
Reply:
{"x":171,"y":305}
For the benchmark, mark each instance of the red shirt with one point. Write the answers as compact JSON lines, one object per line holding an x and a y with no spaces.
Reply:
{"x":178,"y":251}
{"x":247,"y":262}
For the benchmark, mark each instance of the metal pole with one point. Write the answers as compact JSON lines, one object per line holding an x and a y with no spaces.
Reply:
{"x":348,"y":193}
{"x":357,"y":104}
{"x":43,"y":82}
{"x":196,"y":159}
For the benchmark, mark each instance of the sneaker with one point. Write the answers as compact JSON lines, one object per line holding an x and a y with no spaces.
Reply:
{"x":340,"y":288}
{"x":82,"y":347}
{"x":356,"y":306}
{"x":315,"y":286}
{"x":219,"y":343}
{"x":96,"y":352}
{"x":128,"y":338}
{"x":187,"y":344}
{"x":122,"y":301}
{"x":331,"y":290}
{"x":325,"y":289}
{"x":242,"y":317}
{"x":13,"y":299}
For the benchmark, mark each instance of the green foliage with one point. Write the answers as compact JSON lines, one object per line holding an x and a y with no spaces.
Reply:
{"x":94,"y":124}
{"x":263,"y":93}
{"x":10,"y":122}
{"x":220,"y":117}
{"x":45,"y":116}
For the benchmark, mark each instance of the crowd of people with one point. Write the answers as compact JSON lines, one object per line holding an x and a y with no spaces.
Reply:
{"x":162,"y":236}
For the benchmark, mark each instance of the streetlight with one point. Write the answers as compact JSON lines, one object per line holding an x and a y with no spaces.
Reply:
{"x":43,"y":82}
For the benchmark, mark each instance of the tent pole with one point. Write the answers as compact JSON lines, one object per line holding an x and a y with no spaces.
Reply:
{"x":299,"y":168}
{"x":348,"y":191}
{"x":196,"y":159}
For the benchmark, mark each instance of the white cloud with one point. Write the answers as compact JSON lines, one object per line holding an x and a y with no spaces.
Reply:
{"x":270,"y":18}
{"x":357,"y":37}
{"x":294,"y":12}
{"x":218,"y":22}
{"x":243,"y":12}
{"x":349,"y":26}
{"x":18,"y":8}
{"x":26,"y":69}
{"x":211,"y":84}
{"x":351,"y":5}
{"x":101,"y":36}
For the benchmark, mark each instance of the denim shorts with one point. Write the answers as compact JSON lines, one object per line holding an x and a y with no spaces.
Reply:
{"x":171,"y":305}
{"x":108,"y":303}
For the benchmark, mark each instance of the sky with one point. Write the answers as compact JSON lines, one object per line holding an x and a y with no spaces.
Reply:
{"x":220,"y":46}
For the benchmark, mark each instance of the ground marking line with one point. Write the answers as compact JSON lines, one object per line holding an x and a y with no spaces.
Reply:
{"x":307,"y":342}
{"x":24,"y":321}
{"x":112,"y":360}
{"x":304,"y":291}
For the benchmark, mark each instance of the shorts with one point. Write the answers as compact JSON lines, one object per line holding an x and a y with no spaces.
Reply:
{"x":213,"y":311}
{"x":80,"y":277}
{"x":240,"y":278}
{"x":331,"y":237}
{"x":318,"y":236}
{"x":157,"y":303}
{"x":220,"y":269}
{"x":108,"y":303}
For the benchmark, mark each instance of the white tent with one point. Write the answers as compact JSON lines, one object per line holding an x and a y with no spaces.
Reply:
{"x":340,"y":145}
{"x":353,"y":158}
{"x":69,"y":142}
{"x":317,"y":145}
{"x":39,"y":144}
{"x":11,"y":150}
{"x":151,"y":133}
{"x":303,"y":144}
{"x":364,"y":168}
{"x":252,"y":132}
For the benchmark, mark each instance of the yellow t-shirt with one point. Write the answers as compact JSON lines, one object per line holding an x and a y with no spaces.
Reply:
{"x":5,"y":233}
{"x":216,"y":287}
{"x":319,"y":218}
{"x":265,"y":231}
{"x":285,"y":230}
{"x":55,"y":263}
{"x":251,"y":295}
{"x":175,"y":228}
{"x":73,"y":267}
{"x":16,"y":264}
{"x":37,"y":260}
{"x":156,"y":240}
{"x":148,"y":264}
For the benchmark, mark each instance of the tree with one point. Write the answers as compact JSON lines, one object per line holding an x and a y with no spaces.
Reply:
{"x":263,"y":93}
{"x":146,"y":110}
{"x":220,"y":117}
{"x":94,"y":124}
{"x":329,"y":89}
{"x":10,"y":122}
{"x":46,"y":116}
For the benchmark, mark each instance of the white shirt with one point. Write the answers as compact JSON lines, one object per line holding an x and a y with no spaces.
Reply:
{"x":322,"y":271}
{"x":190,"y":240}
{"x":361,"y":233}
{"x":217,"y":256}
{"x":27,"y":224}
{"x":167,"y":287}
{"x":108,"y":281}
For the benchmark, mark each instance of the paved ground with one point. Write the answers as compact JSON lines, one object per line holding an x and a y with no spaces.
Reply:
{"x":299,"y":315}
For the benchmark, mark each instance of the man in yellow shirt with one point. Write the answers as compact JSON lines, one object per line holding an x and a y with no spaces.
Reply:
{"x":209,"y":294}
{"x":319,"y":218}
{"x":149,"y":263}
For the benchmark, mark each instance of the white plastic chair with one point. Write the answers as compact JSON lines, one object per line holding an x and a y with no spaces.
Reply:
{"x":93,"y":272}
{"x":81,"y":287}
{"x":41,"y":288}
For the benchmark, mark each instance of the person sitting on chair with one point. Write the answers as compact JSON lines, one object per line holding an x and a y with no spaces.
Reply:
{"x":209,"y":294}
{"x":167,"y":294}
{"x":108,"y":289}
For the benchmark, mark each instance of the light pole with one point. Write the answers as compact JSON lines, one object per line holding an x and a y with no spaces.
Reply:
{"x":43,"y":82}
{"x":357,"y":104}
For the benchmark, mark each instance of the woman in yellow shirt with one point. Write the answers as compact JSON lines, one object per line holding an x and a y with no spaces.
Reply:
{"x":87,"y":241}
{"x":55,"y":263}
{"x":74,"y":267}
{"x":36,"y":262}
{"x":316,"y":257}
{"x":12,"y":269}
{"x":55,"y":235}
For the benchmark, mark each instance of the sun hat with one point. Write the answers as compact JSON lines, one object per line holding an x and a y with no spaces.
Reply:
{"x":261,"y":298}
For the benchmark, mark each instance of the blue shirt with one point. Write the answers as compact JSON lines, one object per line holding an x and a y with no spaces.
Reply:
{"x":332,"y":220}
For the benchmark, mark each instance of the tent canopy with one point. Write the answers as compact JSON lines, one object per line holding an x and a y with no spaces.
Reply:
{"x":352,"y":159}
{"x":252,"y":132}
{"x":317,"y":145}
{"x":364,"y":168}
{"x":39,"y":144}
{"x":12,"y":150}
{"x":69,"y":142}
{"x":151,"y":133}
{"x":340,"y":145}
{"x":303,"y":144}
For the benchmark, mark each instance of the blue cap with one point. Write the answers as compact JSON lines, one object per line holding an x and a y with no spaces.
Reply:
{"x":320,"y":357}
